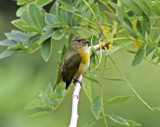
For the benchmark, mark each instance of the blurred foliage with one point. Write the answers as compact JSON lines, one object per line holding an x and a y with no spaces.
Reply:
{"x":132,"y":22}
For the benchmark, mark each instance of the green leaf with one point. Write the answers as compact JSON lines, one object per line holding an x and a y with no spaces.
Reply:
{"x":17,"y":36}
{"x":46,"y":49}
{"x":26,"y":18}
{"x":54,"y":9}
{"x":130,"y":30}
{"x":87,"y":88}
{"x":65,"y":1}
{"x":36,"y":103}
{"x":139,"y":26}
{"x":68,"y":8}
{"x":42,"y":3}
{"x":21,"y":10}
{"x":47,"y":100}
{"x":114,"y":17}
{"x":119,"y":120}
{"x":128,"y":22}
{"x":114,"y":49}
{"x":88,"y":124}
{"x":96,"y":106}
{"x":39,"y":114}
{"x":153,"y":20}
{"x":60,"y":89}
{"x":146,"y":25}
{"x":149,"y":49}
{"x":19,"y":23}
{"x":117,"y":99}
{"x":145,"y":8}
{"x":31,"y":29}
{"x":83,"y":6}
{"x":51,"y":19}
{"x":77,"y":2}
{"x":23,"y":25}
{"x":70,"y":38}
{"x":131,"y":5}
{"x":49,"y":89}
{"x":7,"y":52}
{"x":84,"y":31}
{"x":153,"y":56}
{"x":60,"y":24}
{"x":67,"y":17}
{"x":32,"y":39}
{"x":156,"y":36}
{"x":149,"y":3}
{"x":79,"y":14}
{"x":8,"y":43}
{"x":119,"y":9}
{"x":92,"y":79}
{"x":36,"y":16}
{"x":21,"y":2}
{"x":157,"y":53}
{"x":156,"y":8}
{"x":158,"y":44}
{"x":58,"y":35}
{"x":88,"y":14}
{"x":133,"y":123}
{"x":46,"y":35}
{"x":157,"y":108}
{"x":139,"y":56}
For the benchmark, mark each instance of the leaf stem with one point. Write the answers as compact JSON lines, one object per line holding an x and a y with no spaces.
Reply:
{"x":34,"y":50}
{"x":103,"y":113}
{"x":100,"y":30}
{"x":151,"y":62}
{"x":105,"y":4}
{"x":134,"y":91}
{"x":62,"y":98}
{"x":135,"y":51}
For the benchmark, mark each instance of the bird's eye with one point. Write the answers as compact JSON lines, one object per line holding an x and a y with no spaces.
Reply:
{"x":79,"y":40}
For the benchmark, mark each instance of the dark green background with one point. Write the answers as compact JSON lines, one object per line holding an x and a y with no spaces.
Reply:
{"x":23,"y":75}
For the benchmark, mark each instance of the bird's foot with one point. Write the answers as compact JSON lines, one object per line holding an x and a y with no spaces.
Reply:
{"x":77,"y":80}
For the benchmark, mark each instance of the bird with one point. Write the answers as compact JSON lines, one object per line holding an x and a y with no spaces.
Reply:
{"x":75,"y":62}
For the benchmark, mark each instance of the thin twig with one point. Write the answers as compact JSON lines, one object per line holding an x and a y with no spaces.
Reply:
{"x":151,"y":62}
{"x":103,"y":113}
{"x":100,"y":30}
{"x":105,"y":4}
{"x":134,"y":91}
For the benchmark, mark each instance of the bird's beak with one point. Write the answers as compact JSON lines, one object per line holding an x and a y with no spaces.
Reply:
{"x":85,"y":42}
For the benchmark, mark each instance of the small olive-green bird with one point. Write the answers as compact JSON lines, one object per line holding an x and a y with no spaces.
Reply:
{"x":75,"y":62}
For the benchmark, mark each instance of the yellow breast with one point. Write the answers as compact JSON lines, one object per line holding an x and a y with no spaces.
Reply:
{"x":85,"y":56}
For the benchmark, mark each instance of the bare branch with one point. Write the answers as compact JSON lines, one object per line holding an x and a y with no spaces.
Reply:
{"x":75,"y":99}
{"x":97,"y":46}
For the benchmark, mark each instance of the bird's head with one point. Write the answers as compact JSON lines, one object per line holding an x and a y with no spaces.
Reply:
{"x":79,"y":41}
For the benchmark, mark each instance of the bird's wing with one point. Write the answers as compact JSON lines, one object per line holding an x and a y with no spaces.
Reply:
{"x":69,"y":67}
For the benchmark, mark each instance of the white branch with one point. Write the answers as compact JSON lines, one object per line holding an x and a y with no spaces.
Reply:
{"x":75,"y":99}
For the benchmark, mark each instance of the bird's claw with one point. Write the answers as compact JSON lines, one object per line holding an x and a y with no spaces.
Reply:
{"x":77,"y":80}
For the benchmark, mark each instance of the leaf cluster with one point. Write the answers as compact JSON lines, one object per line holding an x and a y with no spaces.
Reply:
{"x":140,"y":18}
{"x":47,"y":101}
